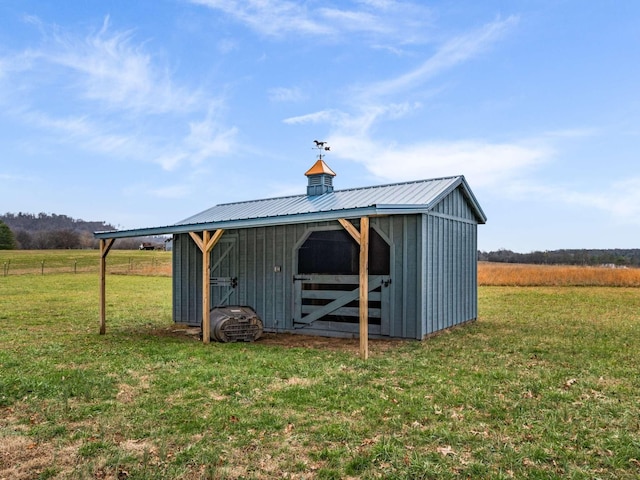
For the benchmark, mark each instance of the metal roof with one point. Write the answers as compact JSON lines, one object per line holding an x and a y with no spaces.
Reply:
{"x":398,"y":198}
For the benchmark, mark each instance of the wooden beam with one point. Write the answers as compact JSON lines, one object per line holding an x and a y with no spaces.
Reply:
{"x":364,"y":288}
{"x":197,"y":240}
{"x":206,"y":288}
{"x":105,"y":246}
{"x":353,"y":231}
{"x":206,"y":244}
{"x":214,"y":239}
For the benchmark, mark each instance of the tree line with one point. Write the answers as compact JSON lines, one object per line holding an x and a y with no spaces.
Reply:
{"x":617,"y":256}
{"x":43,"y":231}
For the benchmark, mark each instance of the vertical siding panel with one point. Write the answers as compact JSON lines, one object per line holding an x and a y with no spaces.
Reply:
{"x":291,"y":270}
{"x":452,"y":272}
{"x":398,"y":286}
{"x":405,"y":279}
{"x":196,"y":259}
{"x":384,"y":224}
{"x":474,"y":266}
{"x":441,"y":276}
{"x":444,"y":278}
{"x":270,"y":274}
{"x":422,"y":275}
{"x":413,"y":242}
{"x":455,"y":273}
{"x":244,"y":280}
{"x":464,"y":272}
{"x":471,"y":277}
{"x":453,"y":298}
{"x":254,"y":268}
{"x":434,"y":274}
{"x":284,"y":283}
{"x":449,"y":272}
{"x":459,"y":274}
{"x":176,"y":277}
{"x":249,"y":294}
{"x":262,"y":283}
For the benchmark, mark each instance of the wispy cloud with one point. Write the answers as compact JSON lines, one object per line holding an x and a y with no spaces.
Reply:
{"x":323,"y":116}
{"x":207,"y":139}
{"x":620,"y":200}
{"x":485,"y":163}
{"x":269,"y":17}
{"x":109,"y":67}
{"x":401,"y":22}
{"x":121,"y":100}
{"x":448,"y":55}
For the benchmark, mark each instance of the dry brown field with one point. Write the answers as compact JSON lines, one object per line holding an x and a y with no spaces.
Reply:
{"x":514,"y":274}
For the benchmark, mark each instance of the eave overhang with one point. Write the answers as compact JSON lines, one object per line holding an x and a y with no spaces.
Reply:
{"x":371,"y":211}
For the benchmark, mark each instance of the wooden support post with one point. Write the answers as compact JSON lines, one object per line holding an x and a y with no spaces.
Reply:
{"x":362,"y":238}
{"x":206,"y":244}
{"x":364,"y":288}
{"x":105,"y":246}
{"x":206,"y":289}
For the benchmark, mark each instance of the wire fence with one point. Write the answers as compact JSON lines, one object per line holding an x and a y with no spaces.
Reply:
{"x":42,"y":262}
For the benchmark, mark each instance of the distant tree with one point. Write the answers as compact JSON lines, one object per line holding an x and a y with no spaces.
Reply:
{"x":7,"y":240}
{"x":64,"y":239}
{"x":621,"y":257}
{"x":24,"y":239}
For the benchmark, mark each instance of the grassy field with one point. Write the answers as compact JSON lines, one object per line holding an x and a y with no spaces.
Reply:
{"x":544,"y":385}
{"x":512,"y":274}
{"x":45,"y":262}
{"x":21,"y":262}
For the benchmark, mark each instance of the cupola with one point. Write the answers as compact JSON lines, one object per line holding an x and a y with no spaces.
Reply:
{"x":320,"y":179}
{"x":320,"y":175}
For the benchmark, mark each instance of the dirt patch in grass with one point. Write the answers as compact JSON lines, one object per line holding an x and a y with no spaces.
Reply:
{"x":22,"y":458}
{"x":291,"y":340}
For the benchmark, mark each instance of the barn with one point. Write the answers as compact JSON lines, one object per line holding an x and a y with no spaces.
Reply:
{"x":310,"y":263}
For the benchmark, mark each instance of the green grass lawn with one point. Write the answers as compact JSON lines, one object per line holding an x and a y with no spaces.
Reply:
{"x":546,"y":384}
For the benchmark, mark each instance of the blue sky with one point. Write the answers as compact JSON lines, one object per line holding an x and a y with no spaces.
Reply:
{"x":144,"y":113}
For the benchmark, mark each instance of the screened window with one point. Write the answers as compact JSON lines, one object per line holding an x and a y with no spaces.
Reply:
{"x":335,"y":252}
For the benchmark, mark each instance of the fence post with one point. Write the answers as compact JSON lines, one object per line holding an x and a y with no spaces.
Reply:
{"x":75,"y":266}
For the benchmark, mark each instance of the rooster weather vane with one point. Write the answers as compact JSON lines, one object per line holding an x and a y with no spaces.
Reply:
{"x":322,"y":147}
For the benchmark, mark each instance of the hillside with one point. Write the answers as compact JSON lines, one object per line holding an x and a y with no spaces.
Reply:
{"x":44,"y":221}
{"x":52,"y":231}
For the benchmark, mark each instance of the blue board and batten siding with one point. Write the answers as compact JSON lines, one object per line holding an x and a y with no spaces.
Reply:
{"x":451,"y":265}
{"x":433,"y":267}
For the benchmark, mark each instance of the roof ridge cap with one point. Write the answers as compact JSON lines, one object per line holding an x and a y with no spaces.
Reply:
{"x":407,"y":182}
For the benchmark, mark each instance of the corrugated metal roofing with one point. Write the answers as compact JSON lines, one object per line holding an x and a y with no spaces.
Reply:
{"x":419,"y":193}
{"x":406,"y":197}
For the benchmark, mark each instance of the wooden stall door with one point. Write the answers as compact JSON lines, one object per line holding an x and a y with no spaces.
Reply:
{"x":224,"y":273}
{"x":331,"y":302}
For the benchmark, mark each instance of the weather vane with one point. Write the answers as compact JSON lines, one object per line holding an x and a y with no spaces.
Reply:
{"x":322,"y":147}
